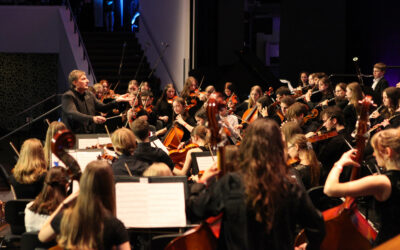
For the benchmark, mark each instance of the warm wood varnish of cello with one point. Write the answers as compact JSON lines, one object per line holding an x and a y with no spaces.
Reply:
{"x":201,"y":237}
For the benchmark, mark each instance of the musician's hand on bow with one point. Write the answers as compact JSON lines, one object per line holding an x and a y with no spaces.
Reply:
{"x":180,"y":120}
{"x":374,"y":115}
{"x":124,"y":98}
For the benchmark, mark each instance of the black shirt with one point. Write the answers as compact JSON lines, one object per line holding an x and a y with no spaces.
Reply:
{"x":27,"y":191}
{"x":114,"y":232}
{"x":146,"y":153}
{"x":78,"y":111}
{"x":240,"y":230}
{"x":136,"y":166}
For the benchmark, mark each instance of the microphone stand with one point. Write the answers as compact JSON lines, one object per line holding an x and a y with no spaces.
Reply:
{"x":358,"y":71}
{"x":120,"y":66}
{"x":141,"y":60}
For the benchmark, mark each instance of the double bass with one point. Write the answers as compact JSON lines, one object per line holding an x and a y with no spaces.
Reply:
{"x":345,"y":227}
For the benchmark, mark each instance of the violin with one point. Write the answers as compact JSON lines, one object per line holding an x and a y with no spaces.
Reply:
{"x":171,"y":100}
{"x":232,"y":101}
{"x":194,"y":96}
{"x":324,"y":136}
{"x":178,"y":156}
{"x":293,"y":161}
{"x":314,"y":114}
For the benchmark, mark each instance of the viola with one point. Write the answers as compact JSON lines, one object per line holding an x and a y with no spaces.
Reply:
{"x":324,"y":136}
{"x":194,"y":96}
{"x":232,"y":101}
{"x":293,"y":161}
{"x":178,"y":156}
{"x":171,"y":100}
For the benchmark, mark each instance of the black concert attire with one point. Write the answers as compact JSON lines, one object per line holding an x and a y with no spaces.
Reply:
{"x":114,"y":232}
{"x":350,"y":117}
{"x":318,"y":98}
{"x":330,"y":150}
{"x":190,"y":100}
{"x":136,"y":166}
{"x":163,"y":108}
{"x":304,"y":171}
{"x":395,"y":120}
{"x":240,"y":230}
{"x":241,"y":108}
{"x":27,"y":191}
{"x":78,"y":111}
{"x":146,"y":153}
{"x":341,"y":102}
{"x":389,"y":210}
{"x":378,"y":89}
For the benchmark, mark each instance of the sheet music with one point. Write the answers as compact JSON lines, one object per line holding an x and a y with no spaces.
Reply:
{"x":152,"y":205}
{"x":84,"y":143}
{"x":204,"y":162}
{"x":104,"y":140}
{"x":158,"y":144}
{"x":84,"y":157}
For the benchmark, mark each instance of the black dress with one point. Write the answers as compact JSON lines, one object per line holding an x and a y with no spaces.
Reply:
{"x":240,"y":230}
{"x":389,"y":210}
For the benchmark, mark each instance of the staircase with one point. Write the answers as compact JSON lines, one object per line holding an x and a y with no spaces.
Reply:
{"x":105,"y":52}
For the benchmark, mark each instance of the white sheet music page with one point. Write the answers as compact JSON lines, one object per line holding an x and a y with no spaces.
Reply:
{"x":152,"y":205}
{"x":204,"y":162}
{"x":104,"y":140}
{"x":158,"y":144}
{"x":84,"y":143}
{"x":84,"y":157}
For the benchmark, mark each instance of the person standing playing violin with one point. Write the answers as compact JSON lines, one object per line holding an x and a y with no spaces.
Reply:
{"x":164,"y":104}
{"x":384,"y":188}
{"x":79,"y":106}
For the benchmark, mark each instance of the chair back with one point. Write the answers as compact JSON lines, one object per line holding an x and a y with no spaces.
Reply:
{"x":15,"y":214}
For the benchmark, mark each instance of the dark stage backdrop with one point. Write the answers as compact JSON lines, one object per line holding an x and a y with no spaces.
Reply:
{"x":26,"y":79}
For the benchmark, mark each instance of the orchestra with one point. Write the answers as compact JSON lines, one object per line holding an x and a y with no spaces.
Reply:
{"x":284,"y":144}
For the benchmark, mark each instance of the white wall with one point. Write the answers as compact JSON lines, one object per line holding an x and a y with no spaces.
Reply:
{"x":168,"y":22}
{"x":42,"y":29}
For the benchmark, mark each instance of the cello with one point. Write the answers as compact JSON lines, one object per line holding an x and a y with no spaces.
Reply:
{"x":345,"y":227}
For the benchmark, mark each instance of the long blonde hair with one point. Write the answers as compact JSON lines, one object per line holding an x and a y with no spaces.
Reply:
{"x":53,"y":128}
{"x":31,"y":164}
{"x":388,"y":138}
{"x":82,"y":225}
{"x":251,"y":102}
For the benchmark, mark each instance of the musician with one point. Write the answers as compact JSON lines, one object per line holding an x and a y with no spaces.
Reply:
{"x":231,"y":98}
{"x":53,"y":193}
{"x":147,"y":102}
{"x":297,"y":112}
{"x":133,"y":86}
{"x":303,"y":79}
{"x":183,"y":120}
{"x":86,"y":220}
{"x":354,"y":94}
{"x":191,"y":96}
{"x":98,"y":91}
{"x":330,"y":150}
{"x":230,"y":122}
{"x":53,"y":128}
{"x":390,"y":102}
{"x":30,"y":171}
{"x":379,"y":82}
{"x":124,"y":143}
{"x":107,"y":92}
{"x":164,"y":104}
{"x":261,"y":203}
{"x":326,"y":93}
{"x":158,"y":169}
{"x":306,"y":164}
{"x":282,"y":92}
{"x":144,"y":151}
{"x":384,"y":188}
{"x":199,"y":136}
{"x":255,"y":93}
{"x":201,"y":117}
{"x":286,"y":102}
{"x":79,"y":106}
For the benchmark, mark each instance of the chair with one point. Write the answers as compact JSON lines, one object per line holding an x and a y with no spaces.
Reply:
{"x":30,"y":240}
{"x":320,"y":200}
{"x":14,"y":215}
